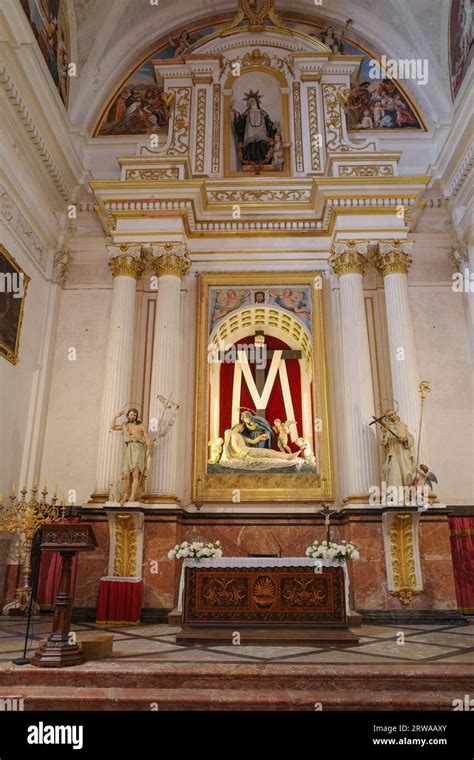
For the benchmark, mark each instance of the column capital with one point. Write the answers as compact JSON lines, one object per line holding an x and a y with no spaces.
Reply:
{"x":349,"y":257}
{"x":126,"y":260}
{"x":170,"y":259}
{"x":393,"y":256}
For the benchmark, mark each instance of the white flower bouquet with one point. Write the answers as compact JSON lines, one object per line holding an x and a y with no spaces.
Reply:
{"x":196,"y":550}
{"x":340,"y":552}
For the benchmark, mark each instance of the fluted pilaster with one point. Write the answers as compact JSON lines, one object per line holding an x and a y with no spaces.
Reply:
{"x":393,"y":260}
{"x":126,"y":264}
{"x":348,"y":260}
{"x":170,"y":264}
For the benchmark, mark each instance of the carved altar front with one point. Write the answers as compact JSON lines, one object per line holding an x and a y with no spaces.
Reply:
{"x":295,"y":599}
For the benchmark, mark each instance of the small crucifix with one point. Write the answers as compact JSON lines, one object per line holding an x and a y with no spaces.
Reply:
{"x":327,"y":512}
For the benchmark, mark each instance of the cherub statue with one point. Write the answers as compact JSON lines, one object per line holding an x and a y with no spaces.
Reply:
{"x":283,"y":431}
{"x":215,"y":450}
{"x":306,"y":450}
{"x":423,"y":477}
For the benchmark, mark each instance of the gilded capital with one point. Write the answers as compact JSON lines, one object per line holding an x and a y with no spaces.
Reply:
{"x":349,"y":257}
{"x":126,"y":260}
{"x":171,"y":259}
{"x":393,"y":256}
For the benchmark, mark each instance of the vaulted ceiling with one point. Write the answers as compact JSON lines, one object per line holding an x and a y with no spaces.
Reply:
{"x":111,"y":35}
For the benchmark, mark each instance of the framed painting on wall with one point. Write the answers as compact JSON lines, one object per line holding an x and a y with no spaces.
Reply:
{"x":261,"y":416}
{"x":13,"y":286}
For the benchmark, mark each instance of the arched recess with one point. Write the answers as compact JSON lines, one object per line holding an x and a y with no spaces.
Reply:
{"x":274,"y":322}
{"x":122,"y":57}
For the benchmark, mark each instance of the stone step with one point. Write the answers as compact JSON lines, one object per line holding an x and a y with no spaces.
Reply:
{"x":95,"y":698}
{"x":253,"y":676}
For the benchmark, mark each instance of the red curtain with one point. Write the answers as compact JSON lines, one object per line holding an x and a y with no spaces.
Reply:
{"x":462,"y":547}
{"x":119,"y":602}
{"x":276,"y":406}
{"x":50,"y":574}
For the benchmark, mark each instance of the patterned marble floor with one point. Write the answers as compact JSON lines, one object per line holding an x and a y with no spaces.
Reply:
{"x":443,"y":645}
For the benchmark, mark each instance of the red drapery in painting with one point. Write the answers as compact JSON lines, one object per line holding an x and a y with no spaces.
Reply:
{"x":462,"y":547}
{"x":50,"y":574}
{"x":276,"y":406}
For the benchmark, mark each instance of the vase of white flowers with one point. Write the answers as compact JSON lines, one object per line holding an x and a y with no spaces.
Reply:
{"x":196,"y":550}
{"x":338,"y":552}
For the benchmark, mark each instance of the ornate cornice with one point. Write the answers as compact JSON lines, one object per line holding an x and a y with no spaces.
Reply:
{"x":10,"y":213}
{"x":459,"y":258}
{"x":349,"y":257}
{"x":393,"y":257}
{"x":171,"y":259}
{"x":62,"y":262}
{"x":462,"y":172}
{"x":11,"y":92}
{"x":127,"y":260}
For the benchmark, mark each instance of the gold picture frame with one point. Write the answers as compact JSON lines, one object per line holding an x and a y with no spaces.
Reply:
{"x":262,"y":486}
{"x":11,"y":306}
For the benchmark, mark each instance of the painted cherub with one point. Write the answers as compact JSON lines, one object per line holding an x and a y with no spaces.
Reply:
{"x":283,"y":431}
{"x":227,"y":301}
{"x":293,"y":301}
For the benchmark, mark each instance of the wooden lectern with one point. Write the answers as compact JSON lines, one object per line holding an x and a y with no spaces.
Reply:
{"x":67,"y":539}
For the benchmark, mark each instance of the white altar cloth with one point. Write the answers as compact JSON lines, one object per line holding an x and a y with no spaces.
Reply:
{"x":226,"y":562}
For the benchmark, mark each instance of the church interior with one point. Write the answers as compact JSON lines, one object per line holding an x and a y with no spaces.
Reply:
{"x":236,"y":355}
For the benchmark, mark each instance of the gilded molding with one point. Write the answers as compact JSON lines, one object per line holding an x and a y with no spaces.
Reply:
{"x":200,"y":130}
{"x":182,"y":117}
{"x":298,"y":127}
{"x":403,"y":558}
{"x":349,"y":257}
{"x":381,"y":170}
{"x":216,"y":127}
{"x":313,"y":129}
{"x":172,"y":259}
{"x":125,"y":559}
{"x":126,"y":260}
{"x":393,"y":257}
{"x":153,"y":175}
{"x":258,"y":196}
{"x":335,"y":139}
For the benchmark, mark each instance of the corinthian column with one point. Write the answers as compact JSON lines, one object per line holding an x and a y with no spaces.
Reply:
{"x":170,"y":264}
{"x":126,"y":263}
{"x":348,"y":260}
{"x":392,"y":261}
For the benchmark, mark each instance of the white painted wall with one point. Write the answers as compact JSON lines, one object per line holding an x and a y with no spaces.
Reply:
{"x":22,"y":385}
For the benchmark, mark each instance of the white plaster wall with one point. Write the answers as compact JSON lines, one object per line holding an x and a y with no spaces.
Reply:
{"x":443,"y":359}
{"x":70,"y":452}
{"x":17,"y":382}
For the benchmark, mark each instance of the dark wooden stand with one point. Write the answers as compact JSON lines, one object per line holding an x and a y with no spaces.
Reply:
{"x":67,"y":539}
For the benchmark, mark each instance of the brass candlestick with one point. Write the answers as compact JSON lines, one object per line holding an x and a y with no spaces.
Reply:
{"x":25,"y":517}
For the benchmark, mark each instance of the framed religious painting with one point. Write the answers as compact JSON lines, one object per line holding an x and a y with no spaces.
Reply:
{"x":261,"y":428}
{"x":13,"y":286}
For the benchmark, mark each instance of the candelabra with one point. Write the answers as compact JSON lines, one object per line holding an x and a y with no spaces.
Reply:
{"x":24,"y":518}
